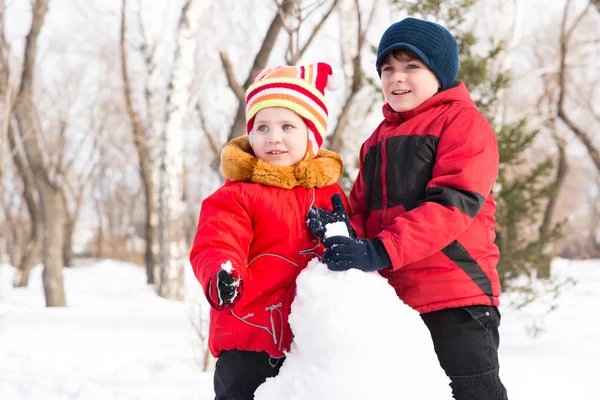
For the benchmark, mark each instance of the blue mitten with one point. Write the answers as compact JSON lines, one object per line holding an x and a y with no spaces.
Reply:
{"x":343,"y":253}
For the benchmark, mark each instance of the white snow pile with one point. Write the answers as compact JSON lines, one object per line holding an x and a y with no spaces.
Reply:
{"x":354,"y":339}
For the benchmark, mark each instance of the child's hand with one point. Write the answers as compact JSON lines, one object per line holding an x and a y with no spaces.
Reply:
{"x":342,"y":253}
{"x":317,"y":218}
{"x":227,"y":286}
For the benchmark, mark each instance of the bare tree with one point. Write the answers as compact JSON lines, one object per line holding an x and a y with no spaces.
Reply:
{"x":116,"y":200}
{"x":565,"y":37}
{"x":545,"y":109}
{"x":353,"y":67}
{"x":74,"y":193}
{"x":143,"y":147}
{"x":562,"y":166}
{"x":5,"y":88}
{"x":50,"y":192}
{"x":31,"y":252}
{"x":32,"y":248}
{"x":300,"y":13}
{"x":173,"y":248}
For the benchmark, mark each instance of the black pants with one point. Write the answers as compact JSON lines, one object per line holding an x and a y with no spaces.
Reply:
{"x":466,"y":342}
{"x":239,"y":373}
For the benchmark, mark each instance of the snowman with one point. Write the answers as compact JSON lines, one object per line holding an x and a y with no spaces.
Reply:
{"x":354,"y":340}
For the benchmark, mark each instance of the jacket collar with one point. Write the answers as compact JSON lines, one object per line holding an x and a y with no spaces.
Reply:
{"x":457,"y":93}
{"x":239,"y":164}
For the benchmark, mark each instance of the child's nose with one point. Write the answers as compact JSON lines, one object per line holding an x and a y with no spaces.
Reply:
{"x":399,"y":76}
{"x":275,"y":136}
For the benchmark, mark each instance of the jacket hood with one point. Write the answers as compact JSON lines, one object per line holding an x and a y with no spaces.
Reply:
{"x":239,"y":164}
{"x":456,"y":94}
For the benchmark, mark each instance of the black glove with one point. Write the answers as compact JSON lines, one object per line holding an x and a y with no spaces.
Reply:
{"x":317,"y":218}
{"x":342,"y":253}
{"x":227,"y":286}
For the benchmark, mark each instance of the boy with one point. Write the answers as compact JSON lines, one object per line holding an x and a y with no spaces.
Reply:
{"x":252,"y":240}
{"x":422,"y":202}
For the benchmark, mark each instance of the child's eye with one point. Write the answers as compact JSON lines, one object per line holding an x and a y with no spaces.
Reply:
{"x":387,"y":68}
{"x":412,"y":66}
{"x":262,"y":128}
{"x":287,"y":127}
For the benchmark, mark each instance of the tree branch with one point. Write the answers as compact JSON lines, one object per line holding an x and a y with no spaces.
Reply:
{"x":260,"y":61}
{"x":228,"y":69}
{"x":317,"y":28}
{"x":213,"y":141}
{"x":26,"y":112}
{"x":562,"y":114}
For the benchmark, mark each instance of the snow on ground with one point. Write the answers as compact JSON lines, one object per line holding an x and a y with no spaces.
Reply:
{"x":117,"y":340}
{"x":562,"y":361}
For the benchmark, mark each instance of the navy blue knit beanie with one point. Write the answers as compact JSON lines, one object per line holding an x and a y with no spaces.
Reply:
{"x":431,"y":43}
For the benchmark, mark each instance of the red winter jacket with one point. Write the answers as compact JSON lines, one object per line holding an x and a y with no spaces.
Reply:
{"x":257,"y":221}
{"x":424,"y":189}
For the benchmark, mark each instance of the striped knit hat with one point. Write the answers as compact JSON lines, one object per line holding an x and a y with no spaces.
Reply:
{"x":300,"y":89}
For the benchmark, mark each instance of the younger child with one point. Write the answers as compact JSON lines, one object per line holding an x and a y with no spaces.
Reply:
{"x":252,"y":240}
{"x":423,"y":205}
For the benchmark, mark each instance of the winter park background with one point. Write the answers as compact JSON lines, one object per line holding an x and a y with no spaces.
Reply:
{"x":112,"y":116}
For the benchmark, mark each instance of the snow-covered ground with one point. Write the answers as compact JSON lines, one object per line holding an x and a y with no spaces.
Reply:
{"x":117,"y":340}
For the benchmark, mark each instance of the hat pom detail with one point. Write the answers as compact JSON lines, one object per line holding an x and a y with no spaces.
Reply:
{"x":334,"y":81}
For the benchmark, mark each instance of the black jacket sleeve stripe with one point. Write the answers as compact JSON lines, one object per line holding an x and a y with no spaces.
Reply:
{"x":467,"y":202}
{"x":459,"y":255}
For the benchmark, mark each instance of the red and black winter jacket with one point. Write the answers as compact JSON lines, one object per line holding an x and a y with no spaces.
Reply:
{"x":257,"y":221}
{"x":424,"y":189}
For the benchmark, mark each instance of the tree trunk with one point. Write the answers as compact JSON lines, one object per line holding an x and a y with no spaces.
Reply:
{"x":54,"y":220}
{"x":145,"y":168}
{"x":53,"y":212}
{"x":173,"y":248}
{"x":33,"y":247}
{"x":544,"y":271}
{"x":100,"y":229}
{"x":68,"y":249}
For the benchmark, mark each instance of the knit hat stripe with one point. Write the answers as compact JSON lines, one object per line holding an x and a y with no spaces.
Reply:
{"x":310,"y":75}
{"x":284,"y":94}
{"x":294,"y":104}
{"x":261,"y":74}
{"x":292,"y":84}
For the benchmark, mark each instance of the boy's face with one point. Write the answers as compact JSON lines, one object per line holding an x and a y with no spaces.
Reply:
{"x":280,"y":136}
{"x":407,"y":82}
